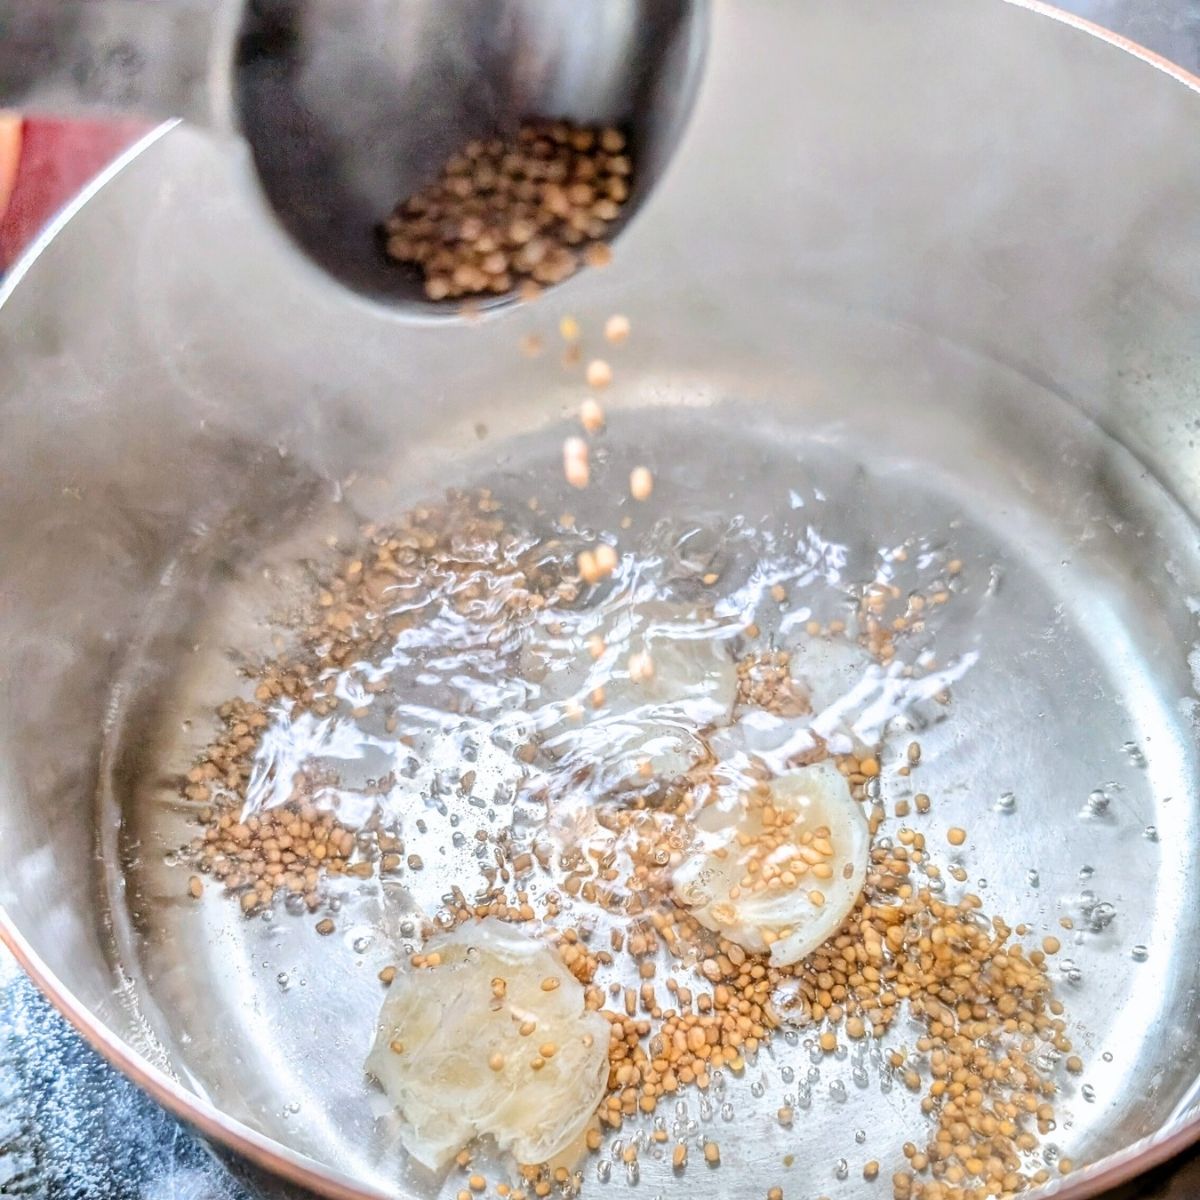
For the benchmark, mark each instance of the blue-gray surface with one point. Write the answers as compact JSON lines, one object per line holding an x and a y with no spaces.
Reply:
{"x":73,"y":1129}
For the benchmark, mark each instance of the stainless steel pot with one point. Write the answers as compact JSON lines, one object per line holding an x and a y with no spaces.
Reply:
{"x":964,"y":231}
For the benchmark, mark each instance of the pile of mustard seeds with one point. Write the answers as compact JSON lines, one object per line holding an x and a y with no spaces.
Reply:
{"x":520,"y":212}
{"x":990,"y":1035}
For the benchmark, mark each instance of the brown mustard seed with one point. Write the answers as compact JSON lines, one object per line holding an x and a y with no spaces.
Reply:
{"x":515,"y":214}
{"x":591,"y":415}
{"x":956,"y":836}
{"x":641,"y":483}
{"x":575,"y":462}
{"x":599,"y":374}
{"x":616,"y":329}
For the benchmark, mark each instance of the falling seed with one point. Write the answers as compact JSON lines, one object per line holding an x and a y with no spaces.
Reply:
{"x":641,"y":483}
{"x":956,"y":836}
{"x":606,"y":559}
{"x":597,"y":254}
{"x":616,"y":329}
{"x":575,"y":462}
{"x":599,"y":373}
{"x":325,"y":927}
{"x":591,"y":415}
{"x":568,"y":327}
{"x":531,"y":345}
{"x":641,"y":667}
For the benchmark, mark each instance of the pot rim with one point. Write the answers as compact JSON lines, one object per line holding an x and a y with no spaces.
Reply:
{"x":272,"y":1156}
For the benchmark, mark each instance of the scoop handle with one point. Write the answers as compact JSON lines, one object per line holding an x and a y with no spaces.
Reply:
{"x":152,"y":58}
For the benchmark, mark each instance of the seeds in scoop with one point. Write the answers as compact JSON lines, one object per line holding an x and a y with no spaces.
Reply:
{"x":597,"y":254}
{"x":599,"y":373}
{"x":616,"y":329}
{"x":512,"y":214}
{"x":956,"y":836}
{"x":641,"y":483}
{"x":575,"y":462}
{"x":591,"y":415}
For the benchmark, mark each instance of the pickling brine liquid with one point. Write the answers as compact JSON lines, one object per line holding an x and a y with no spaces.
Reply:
{"x":782,"y":786}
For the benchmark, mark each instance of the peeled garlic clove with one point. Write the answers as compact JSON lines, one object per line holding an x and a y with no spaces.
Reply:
{"x":451,"y":1055}
{"x":778,"y":869}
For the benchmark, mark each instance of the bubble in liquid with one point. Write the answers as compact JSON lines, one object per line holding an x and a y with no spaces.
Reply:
{"x":706,"y":1109}
{"x":837,"y":1091}
{"x":726,"y":1111}
{"x":633,"y":1172}
{"x":860,"y":1136}
{"x":1098,"y":802}
{"x":803,"y":1096}
{"x":1032,"y":877}
{"x":603,"y":1170}
{"x":842,"y":1170}
{"x":1006,"y":802}
{"x":292,"y":1109}
{"x":1101,"y":917}
{"x":1088,"y":1093}
{"x":1139,"y":954}
{"x":1150,"y":833}
{"x":787,"y":1074}
{"x":813,"y":1074}
{"x":859,"y":1075}
{"x":1085,"y":873}
{"x":284,"y":981}
{"x":1134,"y":753}
{"x":361,"y":945}
{"x":757,"y":1090}
{"x":681,"y":1109}
{"x":1107,"y":1056}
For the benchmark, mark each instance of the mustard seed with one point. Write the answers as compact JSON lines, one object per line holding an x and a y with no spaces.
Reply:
{"x":599,"y":374}
{"x":616,"y":328}
{"x":641,"y":483}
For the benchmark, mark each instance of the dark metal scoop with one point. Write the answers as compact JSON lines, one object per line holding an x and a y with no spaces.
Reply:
{"x":348,"y":106}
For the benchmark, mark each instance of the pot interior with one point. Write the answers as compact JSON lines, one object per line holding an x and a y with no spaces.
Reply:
{"x":924,"y":280}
